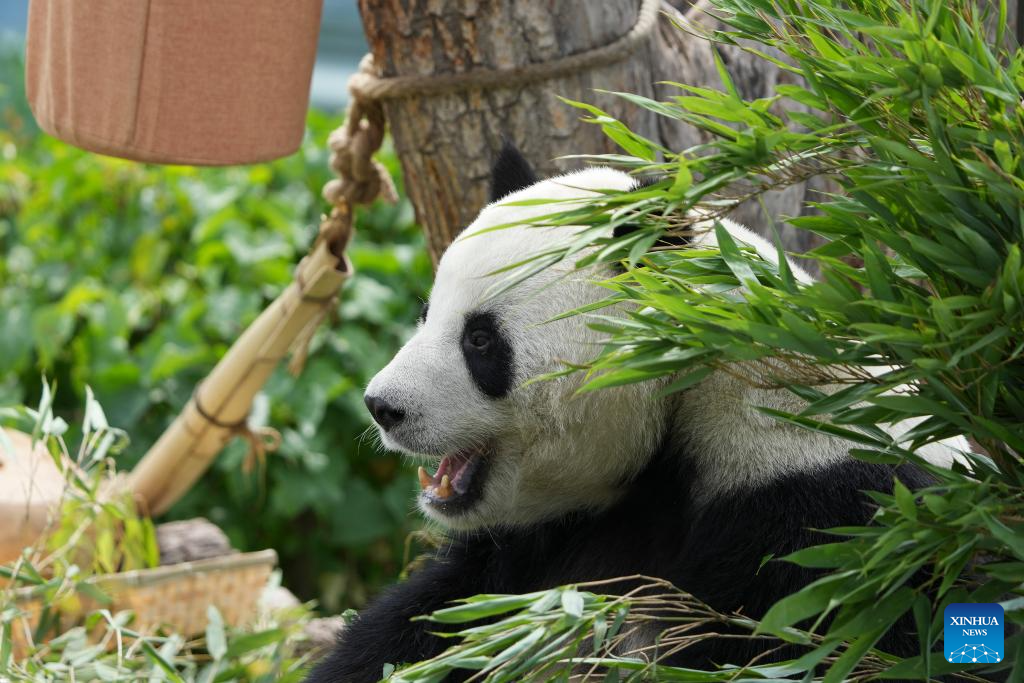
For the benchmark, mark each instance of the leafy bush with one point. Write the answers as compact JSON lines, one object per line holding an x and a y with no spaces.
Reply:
{"x":919,"y":314}
{"x":134,"y":279}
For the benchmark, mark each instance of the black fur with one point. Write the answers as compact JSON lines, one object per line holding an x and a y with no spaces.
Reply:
{"x":511,"y":172}
{"x":669,"y":240}
{"x":488,"y":354}
{"x":714,"y":552}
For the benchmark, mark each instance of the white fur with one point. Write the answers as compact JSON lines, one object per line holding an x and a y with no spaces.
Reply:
{"x":557,"y":451}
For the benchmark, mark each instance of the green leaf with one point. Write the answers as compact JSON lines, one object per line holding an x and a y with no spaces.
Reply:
{"x":161,"y":662}
{"x":484,"y":608}
{"x":807,"y":602}
{"x":683,"y":179}
{"x":249,"y":642}
{"x":572,"y":603}
{"x":216,"y":642}
{"x":733,"y":257}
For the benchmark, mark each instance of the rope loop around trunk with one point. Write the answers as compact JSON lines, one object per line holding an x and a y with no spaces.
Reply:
{"x":366,"y":86}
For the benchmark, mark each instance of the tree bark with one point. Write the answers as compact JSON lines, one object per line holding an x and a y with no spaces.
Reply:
{"x":446,"y":143}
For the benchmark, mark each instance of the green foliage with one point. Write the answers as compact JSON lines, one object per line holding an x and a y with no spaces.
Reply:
{"x":134,"y":279}
{"x":98,"y":528}
{"x":919,"y":312}
{"x":74,"y":636}
{"x":551,"y":634}
{"x":90,"y":652}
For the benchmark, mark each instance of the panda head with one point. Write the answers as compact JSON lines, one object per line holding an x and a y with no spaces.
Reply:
{"x":498,"y":450}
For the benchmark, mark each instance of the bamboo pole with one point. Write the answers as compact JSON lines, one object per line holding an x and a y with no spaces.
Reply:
{"x":218,"y":409}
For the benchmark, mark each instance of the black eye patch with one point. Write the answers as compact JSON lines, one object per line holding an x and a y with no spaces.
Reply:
{"x":488,"y":354}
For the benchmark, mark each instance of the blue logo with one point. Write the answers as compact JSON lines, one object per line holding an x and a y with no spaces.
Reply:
{"x":973,"y":633}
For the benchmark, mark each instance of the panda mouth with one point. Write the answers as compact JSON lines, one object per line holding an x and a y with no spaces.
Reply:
{"x":458,"y":483}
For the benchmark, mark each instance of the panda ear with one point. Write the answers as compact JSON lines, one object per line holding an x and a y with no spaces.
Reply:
{"x":511,"y":172}
{"x":624,"y":229}
{"x":627,"y":228}
{"x":669,"y":240}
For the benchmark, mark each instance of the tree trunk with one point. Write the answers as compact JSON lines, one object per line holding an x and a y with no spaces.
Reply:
{"x":446,"y":143}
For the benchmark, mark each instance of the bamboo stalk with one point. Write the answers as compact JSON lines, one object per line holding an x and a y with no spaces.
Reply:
{"x":217,"y":411}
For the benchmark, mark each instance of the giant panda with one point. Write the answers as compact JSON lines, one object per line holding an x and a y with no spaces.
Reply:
{"x":539,"y":487}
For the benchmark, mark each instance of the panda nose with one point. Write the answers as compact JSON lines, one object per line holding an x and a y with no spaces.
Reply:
{"x":385,"y":415}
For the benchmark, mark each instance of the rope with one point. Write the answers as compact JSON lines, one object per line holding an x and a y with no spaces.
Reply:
{"x":262,"y":440}
{"x":366,"y":86}
{"x":362,"y":179}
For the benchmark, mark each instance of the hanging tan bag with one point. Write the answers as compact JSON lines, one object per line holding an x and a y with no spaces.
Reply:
{"x":207,"y":82}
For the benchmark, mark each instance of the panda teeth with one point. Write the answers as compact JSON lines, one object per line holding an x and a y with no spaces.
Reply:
{"x":444,"y":490}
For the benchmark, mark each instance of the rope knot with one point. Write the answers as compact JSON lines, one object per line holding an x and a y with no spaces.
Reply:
{"x":261,"y":440}
{"x":361,"y":178}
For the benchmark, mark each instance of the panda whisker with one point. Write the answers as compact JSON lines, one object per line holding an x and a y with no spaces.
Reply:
{"x":448,"y":548}
{"x":370,"y":433}
{"x":494,"y":540}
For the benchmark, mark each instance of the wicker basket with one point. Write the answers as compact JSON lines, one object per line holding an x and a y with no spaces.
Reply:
{"x":177,"y":596}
